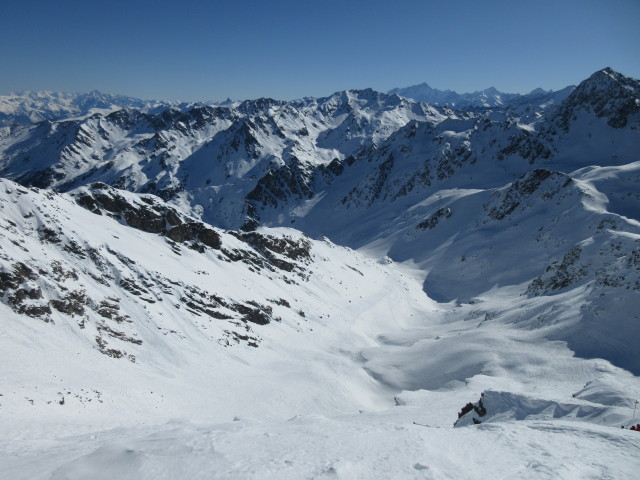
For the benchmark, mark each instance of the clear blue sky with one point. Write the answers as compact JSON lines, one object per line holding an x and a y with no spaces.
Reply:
{"x":210,"y":50}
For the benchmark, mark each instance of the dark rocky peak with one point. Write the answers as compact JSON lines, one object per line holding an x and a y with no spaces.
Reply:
{"x":347,"y":101}
{"x":195,"y":118}
{"x":205,"y":114}
{"x":243,"y":134}
{"x":265,"y":124}
{"x":167,"y":118}
{"x":609,"y":82}
{"x":259,"y":106}
{"x":369,"y":98}
{"x":127,"y":118}
{"x":607,"y":94}
{"x":279,"y":186}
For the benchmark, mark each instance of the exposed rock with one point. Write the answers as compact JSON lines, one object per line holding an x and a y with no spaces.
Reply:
{"x":434,"y":219}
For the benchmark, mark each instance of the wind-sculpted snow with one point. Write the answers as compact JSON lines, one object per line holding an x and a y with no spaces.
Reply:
{"x":504,"y":406}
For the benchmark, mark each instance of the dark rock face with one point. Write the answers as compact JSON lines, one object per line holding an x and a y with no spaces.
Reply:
{"x":19,"y":291}
{"x":282,"y":185}
{"x":607,"y":94}
{"x":559,"y":276}
{"x":194,"y":230}
{"x":255,"y":313}
{"x":434,"y":219}
{"x":210,"y":238}
{"x":527,"y":145}
{"x":72,"y":303}
{"x":525,"y":187}
{"x":181,"y":233}
{"x":273,"y":248}
{"x":147,"y":214}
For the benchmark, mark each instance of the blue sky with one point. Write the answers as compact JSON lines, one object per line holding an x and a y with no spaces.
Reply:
{"x":210,"y":50}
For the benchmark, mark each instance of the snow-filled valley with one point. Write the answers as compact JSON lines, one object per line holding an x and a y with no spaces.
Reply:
{"x":323,"y":288}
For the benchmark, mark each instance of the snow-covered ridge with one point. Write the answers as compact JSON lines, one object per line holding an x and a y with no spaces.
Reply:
{"x":30,"y":107}
{"x":487,"y":98}
{"x":265,"y":161}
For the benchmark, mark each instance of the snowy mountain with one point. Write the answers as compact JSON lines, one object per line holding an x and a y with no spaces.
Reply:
{"x":322,"y":288}
{"x":29,"y":107}
{"x":488,"y":98}
{"x":483,"y":98}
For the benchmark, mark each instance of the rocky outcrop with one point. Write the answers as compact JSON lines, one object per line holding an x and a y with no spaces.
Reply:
{"x":434,"y":219}
{"x":147,"y":213}
{"x":506,"y":201}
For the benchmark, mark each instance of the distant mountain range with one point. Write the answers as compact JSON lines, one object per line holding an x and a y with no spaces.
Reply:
{"x":31,"y":107}
{"x":483,"y":98}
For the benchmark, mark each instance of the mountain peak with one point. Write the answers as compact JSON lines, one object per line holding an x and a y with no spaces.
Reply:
{"x":606,"y":93}
{"x":606,"y":77}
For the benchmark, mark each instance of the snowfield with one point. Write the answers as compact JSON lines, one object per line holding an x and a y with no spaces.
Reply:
{"x":368,"y":384}
{"x":359,"y":446}
{"x":353,"y":287}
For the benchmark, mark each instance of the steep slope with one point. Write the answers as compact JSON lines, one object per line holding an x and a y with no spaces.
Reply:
{"x":267,"y":162}
{"x":212,"y":159}
{"x":107,"y":289}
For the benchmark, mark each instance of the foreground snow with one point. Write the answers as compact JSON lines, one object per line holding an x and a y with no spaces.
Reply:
{"x":382,"y":445}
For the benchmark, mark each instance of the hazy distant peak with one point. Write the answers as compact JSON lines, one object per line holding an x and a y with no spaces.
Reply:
{"x":489,"y":97}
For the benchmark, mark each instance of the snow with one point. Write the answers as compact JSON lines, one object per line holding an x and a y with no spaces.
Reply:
{"x":362,"y":446}
{"x":434,"y":275}
{"x":334,"y":395}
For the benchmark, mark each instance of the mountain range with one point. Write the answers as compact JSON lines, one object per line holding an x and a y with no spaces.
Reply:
{"x":360,"y":271}
{"x":31,"y":107}
{"x":488,"y":98}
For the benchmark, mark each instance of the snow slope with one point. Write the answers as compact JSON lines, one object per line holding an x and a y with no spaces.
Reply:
{"x":148,"y":350}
